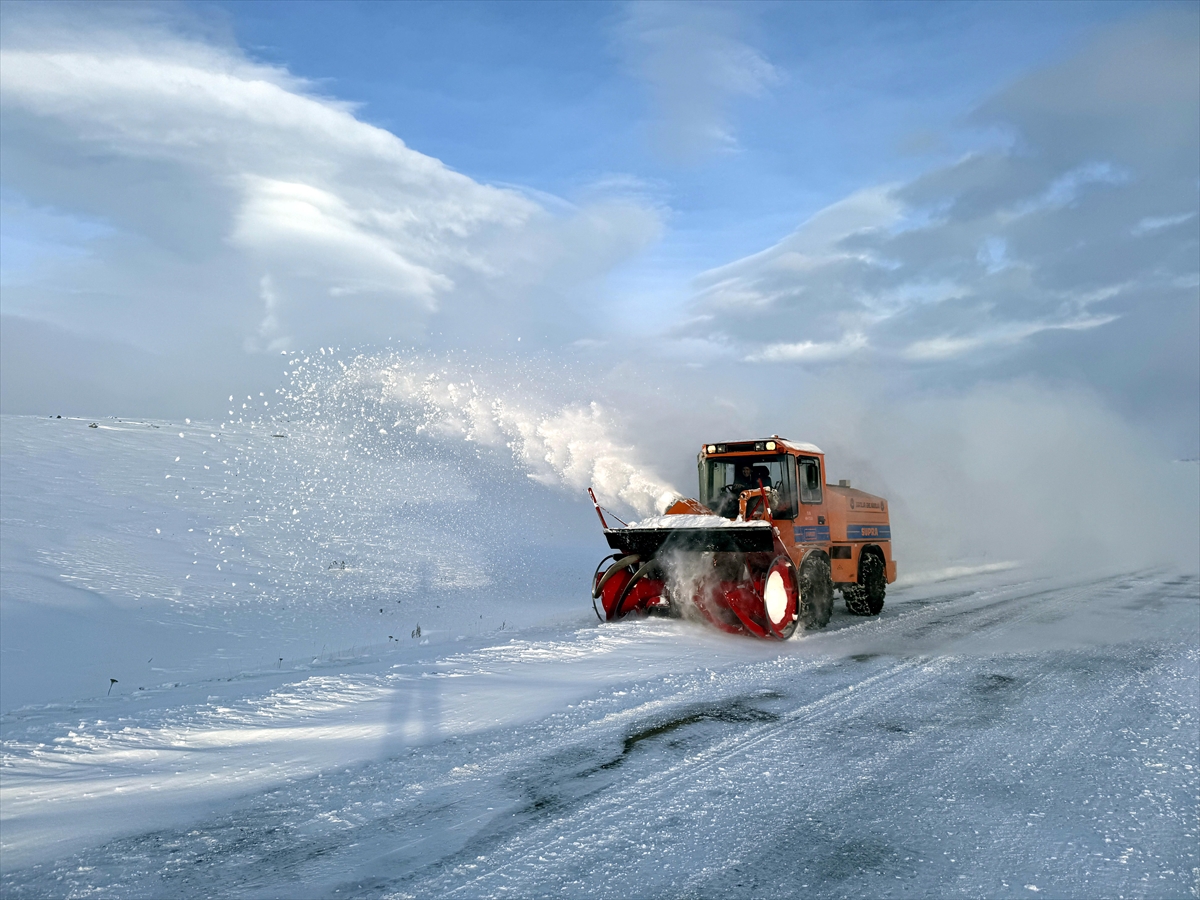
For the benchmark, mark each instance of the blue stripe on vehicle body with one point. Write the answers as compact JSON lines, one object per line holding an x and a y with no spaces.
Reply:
{"x":811,"y":534}
{"x":868,"y":532}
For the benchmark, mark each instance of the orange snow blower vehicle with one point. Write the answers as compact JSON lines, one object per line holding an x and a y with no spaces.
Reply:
{"x":761,"y":552}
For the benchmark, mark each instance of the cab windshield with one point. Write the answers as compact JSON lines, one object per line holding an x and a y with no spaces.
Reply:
{"x":722,"y":480}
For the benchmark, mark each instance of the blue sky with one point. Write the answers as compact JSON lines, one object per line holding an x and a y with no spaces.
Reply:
{"x":940,"y":195}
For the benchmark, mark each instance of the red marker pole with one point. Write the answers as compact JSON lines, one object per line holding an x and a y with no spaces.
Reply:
{"x":596,"y":504}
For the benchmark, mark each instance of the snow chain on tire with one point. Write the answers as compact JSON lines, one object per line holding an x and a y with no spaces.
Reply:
{"x":866,"y":597}
{"x":816,"y":592}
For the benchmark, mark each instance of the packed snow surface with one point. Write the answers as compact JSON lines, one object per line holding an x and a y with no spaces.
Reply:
{"x":279,"y":726}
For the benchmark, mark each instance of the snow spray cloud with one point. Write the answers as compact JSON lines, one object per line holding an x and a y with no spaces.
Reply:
{"x":1019,"y":470}
{"x":569,"y":445}
{"x":396,"y":474}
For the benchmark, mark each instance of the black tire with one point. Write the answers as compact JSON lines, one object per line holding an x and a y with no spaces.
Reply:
{"x":816,"y":592}
{"x":866,"y":597}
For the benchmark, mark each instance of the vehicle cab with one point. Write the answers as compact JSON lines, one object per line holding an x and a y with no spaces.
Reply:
{"x":809,"y":514}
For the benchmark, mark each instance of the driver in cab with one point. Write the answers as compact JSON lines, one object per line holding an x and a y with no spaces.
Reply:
{"x":747,"y":477}
{"x":750,"y":477}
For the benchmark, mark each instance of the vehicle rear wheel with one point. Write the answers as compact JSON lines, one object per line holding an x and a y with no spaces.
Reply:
{"x":866,"y":597}
{"x":816,"y":592}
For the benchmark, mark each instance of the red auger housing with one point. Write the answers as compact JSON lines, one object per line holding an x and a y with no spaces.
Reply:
{"x":759,"y":553}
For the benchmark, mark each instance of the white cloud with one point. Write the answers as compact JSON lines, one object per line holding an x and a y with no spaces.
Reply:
{"x":1066,"y":188}
{"x":1154,"y":223}
{"x":777,"y":275}
{"x":941,"y":348}
{"x":193,"y":156}
{"x":817,"y":241}
{"x":947,"y":347}
{"x":299,"y":224}
{"x":811,"y":351}
{"x":307,"y":176}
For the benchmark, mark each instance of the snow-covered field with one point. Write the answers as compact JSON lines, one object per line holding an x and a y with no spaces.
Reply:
{"x":278,"y":727}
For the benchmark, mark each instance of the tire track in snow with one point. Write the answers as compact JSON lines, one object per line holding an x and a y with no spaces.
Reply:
{"x":559,"y":735}
{"x":1003,"y":613}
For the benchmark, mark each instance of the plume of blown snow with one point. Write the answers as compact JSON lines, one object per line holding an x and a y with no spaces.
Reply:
{"x":569,"y":445}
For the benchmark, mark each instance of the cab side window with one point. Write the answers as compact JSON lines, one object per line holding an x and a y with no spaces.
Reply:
{"x":810,"y":479}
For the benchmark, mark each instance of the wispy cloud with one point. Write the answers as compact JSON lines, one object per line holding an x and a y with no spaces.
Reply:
{"x":695,"y":63}
{"x":192,"y":152}
{"x":1154,"y":223}
{"x":811,"y":351}
{"x":947,"y":347}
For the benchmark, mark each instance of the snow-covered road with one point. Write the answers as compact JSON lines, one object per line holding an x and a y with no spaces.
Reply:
{"x":985,"y":737}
